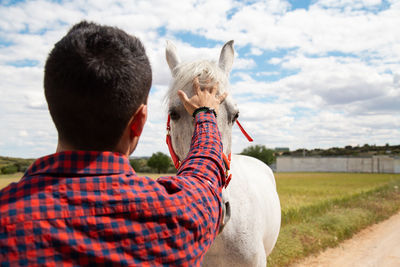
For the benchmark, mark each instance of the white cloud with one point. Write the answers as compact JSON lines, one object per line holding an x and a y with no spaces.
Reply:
{"x":267,"y":73}
{"x":354,"y":4}
{"x":23,"y":133}
{"x":337,"y":81}
{"x":256,"y":51}
{"x":244,"y":63}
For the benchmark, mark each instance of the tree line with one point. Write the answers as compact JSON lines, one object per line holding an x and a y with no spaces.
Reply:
{"x":364,"y":150}
{"x":157,"y":163}
{"x":161,"y":163}
{"x":10,"y":165}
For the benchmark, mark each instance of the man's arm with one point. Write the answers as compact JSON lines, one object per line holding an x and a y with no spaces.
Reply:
{"x":184,"y":211}
{"x":202,"y":172}
{"x":204,"y":160}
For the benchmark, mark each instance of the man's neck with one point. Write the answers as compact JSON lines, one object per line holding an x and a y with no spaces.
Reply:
{"x":126,"y":150}
{"x":63,"y":147}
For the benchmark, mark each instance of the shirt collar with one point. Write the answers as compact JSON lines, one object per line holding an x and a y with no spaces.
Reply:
{"x":81,"y":163}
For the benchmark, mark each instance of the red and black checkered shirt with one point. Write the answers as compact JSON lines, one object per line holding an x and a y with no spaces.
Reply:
{"x":90,"y":208}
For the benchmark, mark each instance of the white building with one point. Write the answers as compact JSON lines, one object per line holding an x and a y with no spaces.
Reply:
{"x":374,"y":164}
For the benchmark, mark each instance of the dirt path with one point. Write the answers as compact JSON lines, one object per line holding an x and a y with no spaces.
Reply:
{"x":376,"y":246}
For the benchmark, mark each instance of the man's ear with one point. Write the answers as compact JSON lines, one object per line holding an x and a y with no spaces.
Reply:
{"x":138,"y":121}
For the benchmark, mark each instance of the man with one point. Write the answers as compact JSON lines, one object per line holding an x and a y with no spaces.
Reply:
{"x":84,"y":205}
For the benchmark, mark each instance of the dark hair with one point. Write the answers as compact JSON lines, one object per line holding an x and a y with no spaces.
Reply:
{"x":96,"y":77}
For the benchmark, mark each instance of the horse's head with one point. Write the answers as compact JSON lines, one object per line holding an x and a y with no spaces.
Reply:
{"x":183,"y":74}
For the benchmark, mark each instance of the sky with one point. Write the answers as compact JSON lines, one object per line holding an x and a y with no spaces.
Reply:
{"x":307,"y":73}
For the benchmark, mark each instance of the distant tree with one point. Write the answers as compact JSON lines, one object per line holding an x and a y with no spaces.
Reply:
{"x":260,"y":152}
{"x":159,"y":161}
{"x":9,"y":169}
{"x":365,"y":148}
{"x":23,"y":165}
{"x":139,"y":165}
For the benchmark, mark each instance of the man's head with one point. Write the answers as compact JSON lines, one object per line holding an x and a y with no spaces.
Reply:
{"x":96,"y":78}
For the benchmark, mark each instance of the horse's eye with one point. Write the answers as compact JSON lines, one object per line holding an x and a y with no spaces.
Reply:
{"x":235,"y":117}
{"x":174,"y":114}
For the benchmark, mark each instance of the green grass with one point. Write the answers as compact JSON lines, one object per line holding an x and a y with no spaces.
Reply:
{"x":320,"y":210}
{"x":300,"y":189}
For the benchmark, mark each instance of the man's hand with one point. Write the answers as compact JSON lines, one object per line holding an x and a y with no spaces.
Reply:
{"x":206,"y":97}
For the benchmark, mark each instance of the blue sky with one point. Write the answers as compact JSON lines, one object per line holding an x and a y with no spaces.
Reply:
{"x":311,"y":74}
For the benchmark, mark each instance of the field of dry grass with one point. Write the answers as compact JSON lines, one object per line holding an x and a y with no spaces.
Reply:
{"x":320,"y":210}
{"x":5,"y":179}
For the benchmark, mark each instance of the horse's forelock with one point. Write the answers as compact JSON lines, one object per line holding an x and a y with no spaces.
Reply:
{"x":184,"y":74}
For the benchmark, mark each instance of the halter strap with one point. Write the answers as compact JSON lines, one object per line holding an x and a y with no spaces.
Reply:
{"x":175,"y":159}
{"x":227,"y":163}
{"x":227,"y":160}
{"x":244,"y":131}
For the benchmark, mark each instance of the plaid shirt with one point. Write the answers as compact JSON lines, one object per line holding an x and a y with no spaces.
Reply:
{"x":90,"y":208}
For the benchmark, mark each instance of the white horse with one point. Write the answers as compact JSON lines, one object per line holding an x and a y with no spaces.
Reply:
{"x":250,"y":235}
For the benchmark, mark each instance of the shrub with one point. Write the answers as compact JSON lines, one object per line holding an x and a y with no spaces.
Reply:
{"x":260,"y":152}
{"x":139,"y":164}
{"x":9,"y":169}
{"x":160,"y":162}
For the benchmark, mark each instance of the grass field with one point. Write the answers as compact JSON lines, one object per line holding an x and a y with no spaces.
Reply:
{"x":320,"y":210}
{"x":300,"y":189}
{"x":5,"y":179}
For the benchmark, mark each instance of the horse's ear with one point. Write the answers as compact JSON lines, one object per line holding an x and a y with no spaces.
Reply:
{"x":172,"y":58}
{"x":226,"y":57}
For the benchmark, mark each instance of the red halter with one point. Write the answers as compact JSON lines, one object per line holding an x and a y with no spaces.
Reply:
{"x":227,"y":160}
{"x":174,"y":157}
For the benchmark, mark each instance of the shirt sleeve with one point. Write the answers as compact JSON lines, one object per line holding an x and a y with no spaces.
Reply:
{"x":202,"y":173}
{"x":204,"y":160}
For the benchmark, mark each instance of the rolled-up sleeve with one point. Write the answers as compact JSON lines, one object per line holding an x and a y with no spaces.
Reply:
{"x":200,"y":179}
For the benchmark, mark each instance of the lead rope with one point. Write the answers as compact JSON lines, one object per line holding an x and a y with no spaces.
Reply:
{"x":244,"y":131}
{"x":227,"y":160}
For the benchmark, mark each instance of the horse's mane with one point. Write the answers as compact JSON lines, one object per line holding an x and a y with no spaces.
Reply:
{"x":184,"y":73}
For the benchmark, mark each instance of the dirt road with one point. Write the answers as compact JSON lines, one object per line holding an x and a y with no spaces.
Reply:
{"x":376,"y":246}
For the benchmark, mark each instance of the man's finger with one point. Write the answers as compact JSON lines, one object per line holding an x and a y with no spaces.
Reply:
{"x":214,"y":88}
{"x":182,"y":95}
{"x":222,"y":97}
{"x":196,"y":85}
{"x":207,"y":85}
